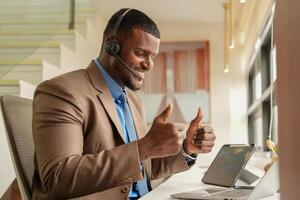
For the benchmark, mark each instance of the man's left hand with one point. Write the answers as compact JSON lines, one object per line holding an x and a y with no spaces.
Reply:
{"x":199,"y":139}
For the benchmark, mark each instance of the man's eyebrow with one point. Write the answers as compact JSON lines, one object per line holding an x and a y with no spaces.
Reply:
{"x":141,"y":49}
{"x":145,"y":50}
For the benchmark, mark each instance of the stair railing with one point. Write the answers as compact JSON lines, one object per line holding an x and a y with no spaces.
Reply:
{"x":72,"y":14}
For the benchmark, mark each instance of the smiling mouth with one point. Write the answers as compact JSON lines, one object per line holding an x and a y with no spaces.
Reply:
{"x":139,"y":74}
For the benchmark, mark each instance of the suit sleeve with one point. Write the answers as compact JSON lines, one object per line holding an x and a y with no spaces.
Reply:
{"x":58,"y":136}
{"x":164,"y":167}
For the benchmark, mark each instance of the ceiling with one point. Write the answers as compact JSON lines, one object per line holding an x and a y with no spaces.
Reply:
{"x":169,"y":11}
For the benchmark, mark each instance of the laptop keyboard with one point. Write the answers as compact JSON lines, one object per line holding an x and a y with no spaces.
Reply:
{"x":230,"y":194}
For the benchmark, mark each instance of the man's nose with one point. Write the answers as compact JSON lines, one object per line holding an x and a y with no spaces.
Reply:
{"x":147,"y":64}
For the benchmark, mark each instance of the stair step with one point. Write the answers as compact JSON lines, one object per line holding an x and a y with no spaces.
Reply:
{"x":20,"y":37}
{"x":36,"y":56}
{"x":28,"y":51}
{"x":40,"y":21}
{"x":30,"y":44}
{"x":9,"y":82}
{"x":17,"y":88}
{"x":52,"y":58}
{"x":31,"y":73}
{"x":44,"y":16}
{"x":43,"y":9}
{"x":43,"y":2}
{"x":36,"y":32}
{"x":56,"y":27}
{"x":40,"y":2}
{"x":24,"y":67}
{"x":34,"y":78}
{"x":12,"y":12}
{"x":13,"y":62}
{"x":9,"y":87}
{"x":59,"y":6}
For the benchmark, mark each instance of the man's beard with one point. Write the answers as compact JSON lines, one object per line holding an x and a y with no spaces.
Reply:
{"x":131,"y":83}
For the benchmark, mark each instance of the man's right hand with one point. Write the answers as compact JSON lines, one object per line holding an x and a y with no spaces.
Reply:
{"x":163,"y":139}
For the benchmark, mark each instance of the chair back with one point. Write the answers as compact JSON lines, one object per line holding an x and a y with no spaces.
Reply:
{"x":17,"y":117}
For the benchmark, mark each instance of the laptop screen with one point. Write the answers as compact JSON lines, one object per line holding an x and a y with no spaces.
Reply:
{"x":227,"y":165}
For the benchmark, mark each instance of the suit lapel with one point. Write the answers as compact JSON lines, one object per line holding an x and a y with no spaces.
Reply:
{"x":108,"y":104}
{"x":104,"y":96}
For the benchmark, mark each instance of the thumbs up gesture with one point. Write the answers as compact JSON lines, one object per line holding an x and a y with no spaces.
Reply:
{"x":199,"y":139}
{"x":163,"y":139}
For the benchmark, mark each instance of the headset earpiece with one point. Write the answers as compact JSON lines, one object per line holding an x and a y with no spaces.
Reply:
{"x":112,"y":46}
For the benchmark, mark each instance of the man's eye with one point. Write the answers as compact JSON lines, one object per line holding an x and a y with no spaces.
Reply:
{"x":139,"y":53}
{"x":154,"y":57}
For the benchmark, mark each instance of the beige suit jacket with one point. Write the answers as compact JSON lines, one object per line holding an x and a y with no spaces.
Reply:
{"x":80,"y":149}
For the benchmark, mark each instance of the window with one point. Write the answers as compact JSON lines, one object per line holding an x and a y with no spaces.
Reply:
{"x":262,"y":108}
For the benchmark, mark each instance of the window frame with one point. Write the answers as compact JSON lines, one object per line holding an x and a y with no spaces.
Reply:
{"x":262,"y":61}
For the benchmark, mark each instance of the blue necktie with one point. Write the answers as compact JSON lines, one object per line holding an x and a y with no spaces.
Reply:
{"x":142,"y":184}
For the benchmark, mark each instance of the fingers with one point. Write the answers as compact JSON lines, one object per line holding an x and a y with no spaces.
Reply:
{"x":203,"y":143}
{"x":198,"y":117}
{"x":205,"y":149}
{"x":205,"y":129}
{"x":204,"y":146}
{"x":205,"y":137}
{"x":161,"y":118}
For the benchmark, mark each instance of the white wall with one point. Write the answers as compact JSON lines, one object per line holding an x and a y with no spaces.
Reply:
{"x":238,"y":100}
{"x":219,"y":81}
{"x":26,"y":89}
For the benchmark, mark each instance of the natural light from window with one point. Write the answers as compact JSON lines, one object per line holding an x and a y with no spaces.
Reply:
{"x":274,"y":65}
{"x":258,"y":86}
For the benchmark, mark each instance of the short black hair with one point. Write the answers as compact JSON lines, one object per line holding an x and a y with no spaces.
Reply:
{"x":133,"y":19}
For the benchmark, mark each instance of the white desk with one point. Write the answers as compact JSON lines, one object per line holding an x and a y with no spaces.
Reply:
{"x":182,"y":182}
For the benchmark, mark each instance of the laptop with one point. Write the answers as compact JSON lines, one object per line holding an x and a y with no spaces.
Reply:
{"x":228,"y":165}
{"x":267,"y":186}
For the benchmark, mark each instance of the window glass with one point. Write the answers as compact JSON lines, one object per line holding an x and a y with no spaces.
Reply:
{"x":258,"y":132}
{"x":274,"y":65}
{"x":262,"y":111}
{"x":257,"y":86}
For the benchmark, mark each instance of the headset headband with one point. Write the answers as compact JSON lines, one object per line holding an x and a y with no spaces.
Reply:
{"x":117,"y":24}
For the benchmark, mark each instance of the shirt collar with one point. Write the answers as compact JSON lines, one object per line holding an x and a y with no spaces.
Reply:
{"x":114,"y":88}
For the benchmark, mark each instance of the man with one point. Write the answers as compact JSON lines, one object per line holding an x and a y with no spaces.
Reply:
{"x":88,"y":126}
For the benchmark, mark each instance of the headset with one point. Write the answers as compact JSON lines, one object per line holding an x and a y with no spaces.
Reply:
{"x":112,"y":46}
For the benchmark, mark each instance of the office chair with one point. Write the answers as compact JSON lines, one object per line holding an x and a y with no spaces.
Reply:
{"x":17,"y":117}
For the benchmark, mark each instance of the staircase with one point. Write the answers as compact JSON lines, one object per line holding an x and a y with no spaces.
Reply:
{"x":34,"y":37}
{"x":36,"y":44}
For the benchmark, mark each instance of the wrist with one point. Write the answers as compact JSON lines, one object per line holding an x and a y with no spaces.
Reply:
{"x":142,"y":150}
{"x":185,"y":147}
{"x":187,"y":155}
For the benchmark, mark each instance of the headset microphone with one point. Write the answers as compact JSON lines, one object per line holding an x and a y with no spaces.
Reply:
{"x":125,"y":65}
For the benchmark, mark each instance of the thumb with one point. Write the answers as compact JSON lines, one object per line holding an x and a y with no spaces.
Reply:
{"x":198,"y":118}
{"x":161,"y":118}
